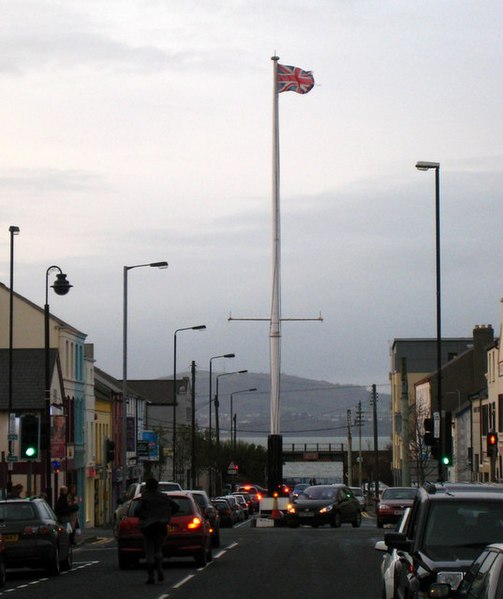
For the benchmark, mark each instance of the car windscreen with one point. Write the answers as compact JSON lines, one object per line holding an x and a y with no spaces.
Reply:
{"x":319,"y":493}
{"x":165,"y":487}
{"x":399,"y":494}
{"x":461,"y":529}
{"x":17,"y":511}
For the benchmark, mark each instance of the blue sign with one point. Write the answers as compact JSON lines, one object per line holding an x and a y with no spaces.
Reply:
{"x":153,"y":445}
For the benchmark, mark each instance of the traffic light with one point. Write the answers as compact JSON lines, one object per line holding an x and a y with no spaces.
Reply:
{"x":29,"y":437}
{"x":429,"y":439}
{"x":492,"y":445}
{"x":109,"y":451}
{"x":447,"y":439}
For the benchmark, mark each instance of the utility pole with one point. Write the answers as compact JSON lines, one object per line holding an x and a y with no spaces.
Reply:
{"x":359,"y":424}
{"x":376,"y":446}
{"x":350,"y":455}
{"x":193,"y":426}
{"x":405,"y":423}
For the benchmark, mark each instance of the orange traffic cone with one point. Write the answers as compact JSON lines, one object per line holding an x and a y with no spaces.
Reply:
{"x":276,"y":514}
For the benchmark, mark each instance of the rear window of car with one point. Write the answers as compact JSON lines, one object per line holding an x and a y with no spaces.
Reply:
{"x":17,"y":511}
{"x":169,"y":487}
{"x":399,"y":493}
{"x":461,"y":529}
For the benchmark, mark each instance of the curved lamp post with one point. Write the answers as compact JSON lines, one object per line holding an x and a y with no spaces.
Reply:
{"x":61,"y":286}
{"x":426,"y":166}
{"x":199,"y":327}
{"x":210,"y":442}
{"x":126,"y":269}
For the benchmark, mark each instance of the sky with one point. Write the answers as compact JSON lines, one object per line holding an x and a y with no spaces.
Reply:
{"x":134,"y":131}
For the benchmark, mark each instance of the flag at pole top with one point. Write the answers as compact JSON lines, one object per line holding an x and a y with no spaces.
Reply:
{"x":293,"y":79}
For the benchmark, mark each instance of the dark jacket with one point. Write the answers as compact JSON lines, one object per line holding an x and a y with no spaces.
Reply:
{"x":155,"y":508}
{"x":62,"y":508}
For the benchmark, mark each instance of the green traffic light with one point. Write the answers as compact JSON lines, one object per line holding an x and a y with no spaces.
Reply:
{"x":30,"y":452}
{"x":445,"y":461}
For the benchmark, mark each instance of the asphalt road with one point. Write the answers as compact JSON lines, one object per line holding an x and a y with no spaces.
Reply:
{"x":252,"y":563}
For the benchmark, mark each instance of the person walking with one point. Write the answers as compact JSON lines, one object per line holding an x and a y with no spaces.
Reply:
{"x":154,"y":511}
{"x":62,"y":508}
{"x":73,"y":502}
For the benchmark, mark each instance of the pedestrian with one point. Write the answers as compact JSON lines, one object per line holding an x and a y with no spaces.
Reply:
{"x":62,"y":508}
{"x":15,"y":492}
{"x":73,"y":502}
{"x":154,"y":511}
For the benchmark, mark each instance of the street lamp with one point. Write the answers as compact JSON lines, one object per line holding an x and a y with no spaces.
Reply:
{"x":426,"y":166}
{"x":13,"y":230}
{"x":210,"y":442}
{"x":199,"y":327}
{"x":217,"y":427}
{"x":233,"y":434}
{"x":126,"y":269}
{"x":61,"y":286}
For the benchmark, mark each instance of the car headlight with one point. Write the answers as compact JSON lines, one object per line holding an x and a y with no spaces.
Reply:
{"x":291,"y":509}
{"x":326,"y":509}
{"x":451,"y":578}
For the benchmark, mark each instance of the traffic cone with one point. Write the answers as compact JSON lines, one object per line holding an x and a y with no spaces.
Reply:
{"x":276,"y":514}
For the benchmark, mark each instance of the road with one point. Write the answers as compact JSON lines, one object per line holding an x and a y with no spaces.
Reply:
{"x":251,"y":562}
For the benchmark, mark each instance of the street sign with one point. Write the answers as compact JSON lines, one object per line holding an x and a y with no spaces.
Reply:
{"x":12,"y":437}
{"x":436,"y":425}
{"x":232,"y":469}
{"x":12,"y":458}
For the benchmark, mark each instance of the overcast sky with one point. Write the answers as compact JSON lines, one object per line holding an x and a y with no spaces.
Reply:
{"x":134,"y":131}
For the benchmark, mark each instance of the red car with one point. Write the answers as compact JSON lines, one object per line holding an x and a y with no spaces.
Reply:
{"x":189,"y":534}
{"x":392,"y":504}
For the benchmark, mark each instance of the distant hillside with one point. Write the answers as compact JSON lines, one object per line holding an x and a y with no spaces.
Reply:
{"x":308,"y":407}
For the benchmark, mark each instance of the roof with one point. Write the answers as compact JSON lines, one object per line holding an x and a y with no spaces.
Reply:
{"x":158,"y":391}
{"x":28,"y":378}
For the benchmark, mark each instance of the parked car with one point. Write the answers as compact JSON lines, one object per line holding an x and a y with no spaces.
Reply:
{"x":33,"y":537}
{"x":227,"y":516}
{"x":236,"y":507}
{"x":210,"y":512}
{"x":188,"y":533}
{"x":325,"y":504}
{"x":390,"y":561}
{"x":248,"y":500}
{"x":444,"y":534}
{"x":244,"y":505}
{"x":484,"y":579}
{"x":3,"y":575}
{"x":358,"y":493}
{"x":135,"y":490}
{"x":392,"y":504}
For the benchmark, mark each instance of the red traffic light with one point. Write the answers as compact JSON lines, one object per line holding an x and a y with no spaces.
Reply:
{"x":492,"y":439}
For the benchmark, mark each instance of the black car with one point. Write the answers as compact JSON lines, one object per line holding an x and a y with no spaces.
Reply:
{"x":227,"y":517}
{"x":445,"y":533}
{"x":211,"y":512}
{"x":325,"y":504}
{"x":33,"y":537}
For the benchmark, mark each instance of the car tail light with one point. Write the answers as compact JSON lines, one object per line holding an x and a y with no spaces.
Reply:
{"x":259,"y":497}
{"x":194,"y":523}
{"x":128,"y":524}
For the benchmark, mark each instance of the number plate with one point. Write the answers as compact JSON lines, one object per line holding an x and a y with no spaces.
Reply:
{"x":10,"y":538}
{"x":306,"y":515}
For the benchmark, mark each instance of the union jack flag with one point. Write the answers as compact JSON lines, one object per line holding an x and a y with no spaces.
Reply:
{"x":293,"y":79}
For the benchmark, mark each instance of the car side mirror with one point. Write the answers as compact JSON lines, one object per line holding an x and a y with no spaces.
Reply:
{"x":398,"y":540}
{"x":381,"y":546}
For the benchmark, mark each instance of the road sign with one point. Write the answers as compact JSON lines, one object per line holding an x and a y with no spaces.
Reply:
{"x":12,"y":458}
{"x":436,"y":425}
{"x":12,"y":437}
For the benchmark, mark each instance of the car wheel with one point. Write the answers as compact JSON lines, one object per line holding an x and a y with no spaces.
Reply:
{"x":3,"y":575}
{"x":209,"y":553}
{"x":337,"y":520}
{"x":379,"y":524}
{"x":357,"y":522}
{"x":215,"y":539}
{"x":67,"y":563}
{"x":201,"y":557}
{"x":54,"y":567}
